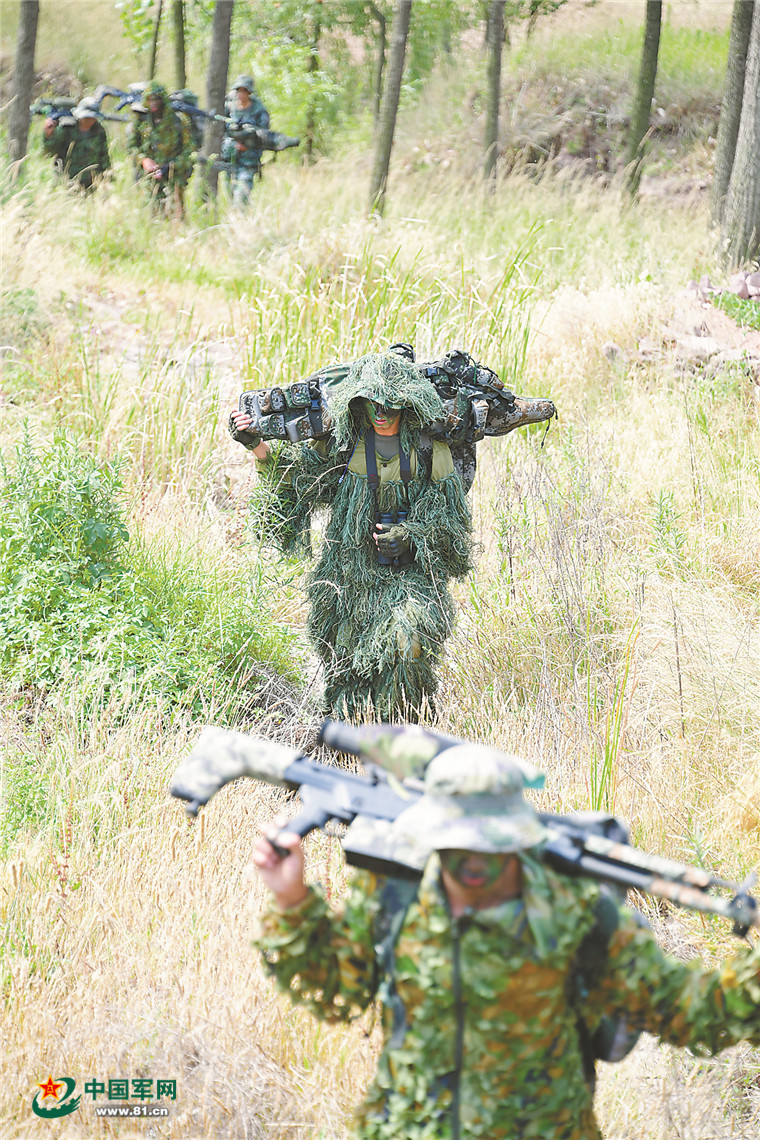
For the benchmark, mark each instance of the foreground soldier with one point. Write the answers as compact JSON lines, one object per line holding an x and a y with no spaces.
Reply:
{"x":245,"y":161}
{"x":399,"y":529}
{"x":494,"y":974}
{"x":79,"y":145}
{"x":163,"y":148}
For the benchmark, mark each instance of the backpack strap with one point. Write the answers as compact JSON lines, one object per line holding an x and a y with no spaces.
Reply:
{"x":614,"y":1038}
{"x":396,"y":897}
{"x":425,"y":455}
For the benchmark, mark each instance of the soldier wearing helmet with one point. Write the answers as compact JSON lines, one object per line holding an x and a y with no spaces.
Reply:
{"x":162,"y":145}
{"x":79,"y":144}
{"x":246,"y":109}
{"x":498,"y":977}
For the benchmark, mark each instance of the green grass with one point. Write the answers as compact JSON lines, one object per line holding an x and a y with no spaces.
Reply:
{"x":745,"y":313}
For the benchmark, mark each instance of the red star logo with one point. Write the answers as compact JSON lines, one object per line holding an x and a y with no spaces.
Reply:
{"x":49,"y":1088}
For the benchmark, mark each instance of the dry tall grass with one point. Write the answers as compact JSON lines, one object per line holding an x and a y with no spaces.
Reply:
{"x":609,"y":633}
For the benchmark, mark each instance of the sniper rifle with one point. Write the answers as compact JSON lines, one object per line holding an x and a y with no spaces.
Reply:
{"x":253,"y":138}
{"x":589,"y":843}
{"x":475,"y":401}
{"x":59,"y":108}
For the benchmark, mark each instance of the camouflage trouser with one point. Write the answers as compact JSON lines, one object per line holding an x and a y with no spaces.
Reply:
{"x":241,"y":183}
{"x":166,"y":196}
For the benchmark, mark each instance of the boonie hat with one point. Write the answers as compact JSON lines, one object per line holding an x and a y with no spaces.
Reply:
{"x":244,"y":81}
{"x":473,"y":801}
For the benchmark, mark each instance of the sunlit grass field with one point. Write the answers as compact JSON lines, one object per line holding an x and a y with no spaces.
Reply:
{"x":609,"y":632}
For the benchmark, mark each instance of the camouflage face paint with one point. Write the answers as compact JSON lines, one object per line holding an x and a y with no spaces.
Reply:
{"x":381,"y":417}
{"x":474,"y":869}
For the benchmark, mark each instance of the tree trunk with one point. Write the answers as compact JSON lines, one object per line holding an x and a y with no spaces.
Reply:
{"x":642,"y":107}
{"x":741,"y":214}
{"x":216,"y":85}
{"x":387,"y":124}
{"x":731,"y":108}
{"x":495,"y":39}
{"x":178,"y":19}
{"x":23,"y":79}
{"x":154,"y":45}
{"x":377,"y":81}
{"x":311,"y":110}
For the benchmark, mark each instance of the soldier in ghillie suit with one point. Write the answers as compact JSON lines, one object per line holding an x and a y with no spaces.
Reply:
{"x":163,"y":147}
{"x":398,"y":530}
{"x":496,"y":974}
{"x":245,"y":161}
{"x":79,"y":144}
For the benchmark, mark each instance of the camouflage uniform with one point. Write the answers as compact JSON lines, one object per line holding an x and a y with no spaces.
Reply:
{"x":81,"y":155}
{"x":489,"y":1044}
{"x":246,"y":164}
{"x":167,"y":141}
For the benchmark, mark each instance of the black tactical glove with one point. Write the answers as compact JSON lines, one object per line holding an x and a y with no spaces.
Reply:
{"x":393,"y":542}
{"x":249,"y":439}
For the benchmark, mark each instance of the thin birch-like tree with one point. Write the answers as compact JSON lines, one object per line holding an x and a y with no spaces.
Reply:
{"x":741,"y":214}
{"x":642,"y":107}
{"x":494,"y":44}
{"x":216,"y":86}
{"x":23,"y":79}
{"x":389,"y":107}
{"x":731,"y":108}
{"x":180,"y":63}
{"x":154,"y":41}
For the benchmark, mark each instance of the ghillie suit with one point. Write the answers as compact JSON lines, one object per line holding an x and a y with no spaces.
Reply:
{"x":168,"y":141}
{"x":378,"y":628}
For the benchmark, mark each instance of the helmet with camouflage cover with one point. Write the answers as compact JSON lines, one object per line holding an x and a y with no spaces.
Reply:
{"x":245,"y":81}
{"x":473,"y":801}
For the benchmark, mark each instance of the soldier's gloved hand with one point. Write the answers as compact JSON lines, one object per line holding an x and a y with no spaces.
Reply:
{"x":239,"y":422}
{"x":392,"y":542}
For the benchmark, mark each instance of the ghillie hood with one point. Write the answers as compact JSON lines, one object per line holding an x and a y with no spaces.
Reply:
{"x":155,"y":90}
{"x":389,"y":380}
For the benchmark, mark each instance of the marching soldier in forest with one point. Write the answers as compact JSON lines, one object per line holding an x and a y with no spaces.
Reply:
{"x":79,"y":144}
{"x":502,"y":981}
{"x":245,"y":160}
{"x":162,"y":143}
{"x":398,"y":530}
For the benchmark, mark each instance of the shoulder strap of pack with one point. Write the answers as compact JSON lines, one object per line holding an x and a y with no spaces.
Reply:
{"x":614,"y":1038}
{"x":396,"y":896}
{"x":404,"y":465}
{"x":370,"y":456}
{"x":425,"y":455}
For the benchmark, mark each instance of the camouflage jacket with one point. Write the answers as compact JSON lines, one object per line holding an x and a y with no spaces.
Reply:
{"x":83,"y":154}
{"x":255,"y":115}
{"x":168,"y":141}
{"x":491,"y":1047}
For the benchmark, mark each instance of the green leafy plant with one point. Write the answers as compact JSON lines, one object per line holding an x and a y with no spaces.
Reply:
{"x":80,"y":603}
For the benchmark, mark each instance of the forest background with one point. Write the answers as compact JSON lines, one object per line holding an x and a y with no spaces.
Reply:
{"x":609,"y":632}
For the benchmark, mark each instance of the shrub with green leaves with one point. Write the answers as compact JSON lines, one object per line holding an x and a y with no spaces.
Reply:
{"x":81,"y":602}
